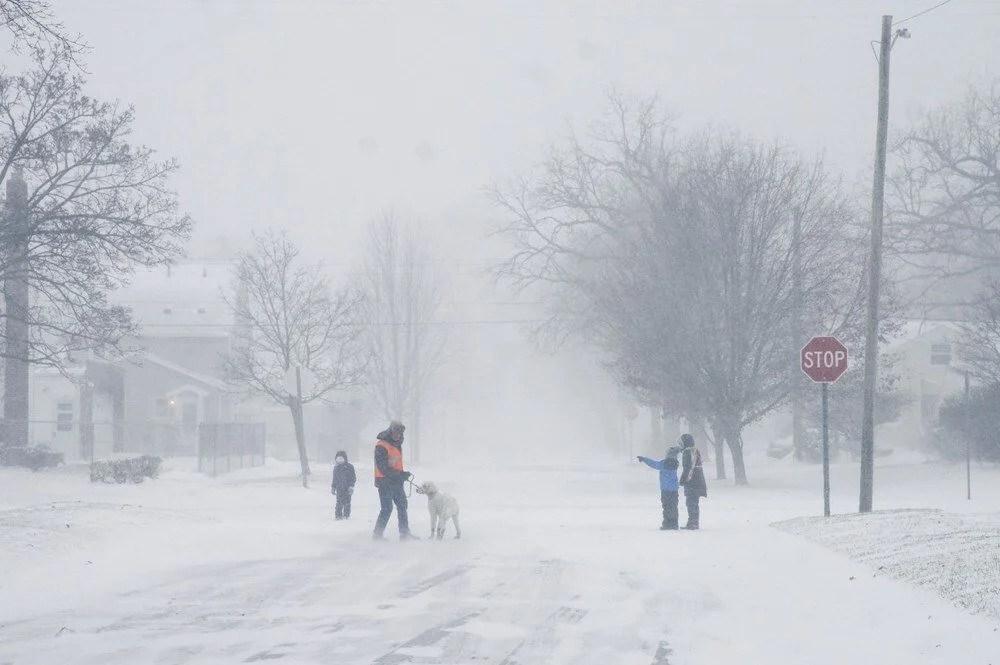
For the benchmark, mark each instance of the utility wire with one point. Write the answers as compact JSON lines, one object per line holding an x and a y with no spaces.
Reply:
{"x":460,"y":322}
{"x":930,"y":9}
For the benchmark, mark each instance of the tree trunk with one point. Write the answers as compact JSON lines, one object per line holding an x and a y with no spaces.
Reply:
{"x":671,"y":428}
{"x":720,"y":459}
{"x":300,"y":438}
{"x":656,"y":430}
{"x":735,"y":441}
{"x":719,"y":446}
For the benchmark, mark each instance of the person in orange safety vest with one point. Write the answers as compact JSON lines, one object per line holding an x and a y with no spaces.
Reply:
{"x":389,"y":478}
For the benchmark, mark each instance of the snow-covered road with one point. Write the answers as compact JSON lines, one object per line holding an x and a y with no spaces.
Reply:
{"x":557,"y":566}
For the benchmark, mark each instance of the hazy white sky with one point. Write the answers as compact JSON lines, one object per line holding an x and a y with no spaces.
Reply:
{"x":316,"y":115}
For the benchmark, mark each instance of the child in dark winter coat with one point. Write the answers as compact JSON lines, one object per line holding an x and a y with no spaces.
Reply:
{"x":668,"y":486}
{"x":693,"y":480}
{"x":342,"y":487}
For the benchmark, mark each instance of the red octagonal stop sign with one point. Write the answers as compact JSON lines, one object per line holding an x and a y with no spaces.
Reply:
{"x":824,"y":359}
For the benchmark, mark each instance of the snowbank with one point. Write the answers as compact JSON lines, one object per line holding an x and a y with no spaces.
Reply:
{"x":958,"y":556}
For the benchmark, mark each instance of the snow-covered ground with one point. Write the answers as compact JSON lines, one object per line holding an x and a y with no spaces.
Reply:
{"x":556,"y":566}
{"x":958,"y":556}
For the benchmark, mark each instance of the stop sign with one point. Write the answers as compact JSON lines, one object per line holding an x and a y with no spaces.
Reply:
{"x":824,"y":359}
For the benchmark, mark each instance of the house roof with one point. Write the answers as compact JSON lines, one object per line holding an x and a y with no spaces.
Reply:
{"x":183,"y":300}
{"x":204,"y":379}
{"x":917,"y":329}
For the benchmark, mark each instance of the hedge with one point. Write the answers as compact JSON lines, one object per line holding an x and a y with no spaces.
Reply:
{"x":127,"y":470}
{"x":32,"y":457}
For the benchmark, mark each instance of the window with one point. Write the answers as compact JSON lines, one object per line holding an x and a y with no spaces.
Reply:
{"x":64,"y":417}
{"x":167,"y":310}
{"x":202,"y":310}
{"x":941,"y":354}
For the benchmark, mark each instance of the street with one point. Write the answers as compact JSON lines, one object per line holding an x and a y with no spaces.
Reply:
{"x":570,"y":568}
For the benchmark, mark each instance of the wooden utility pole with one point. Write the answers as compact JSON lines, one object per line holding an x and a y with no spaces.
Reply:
{"x":875,"y":274}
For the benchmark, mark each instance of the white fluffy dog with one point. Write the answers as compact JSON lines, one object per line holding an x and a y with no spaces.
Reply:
{"x":442,"y":507}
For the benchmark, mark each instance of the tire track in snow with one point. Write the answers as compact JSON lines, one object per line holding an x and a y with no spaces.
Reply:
{"x":436,"y":580}
{"x":428,"y":638}
{"x":484,"y":609}
{"x":662,"y":655}
{"x":544,"y":640}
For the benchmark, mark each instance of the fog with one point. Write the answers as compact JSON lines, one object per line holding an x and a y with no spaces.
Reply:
{"x":518,"y":249}
{"x":322,"y":114}
{"x":316,"y":117}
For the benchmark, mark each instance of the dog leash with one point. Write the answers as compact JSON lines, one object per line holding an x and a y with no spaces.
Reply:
{"x":409,"y":490}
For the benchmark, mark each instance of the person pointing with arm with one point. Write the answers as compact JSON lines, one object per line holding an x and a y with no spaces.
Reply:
{"x":668,"y":486}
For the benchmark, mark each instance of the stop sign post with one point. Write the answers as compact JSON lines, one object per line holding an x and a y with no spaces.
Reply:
{"x":824,"y":360}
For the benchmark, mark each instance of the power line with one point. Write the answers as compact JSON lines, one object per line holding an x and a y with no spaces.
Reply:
{"x":480,"y":322}
{"x":926,"y":11}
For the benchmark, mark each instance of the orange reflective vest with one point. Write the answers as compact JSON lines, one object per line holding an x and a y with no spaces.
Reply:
{"x":394,"y":455}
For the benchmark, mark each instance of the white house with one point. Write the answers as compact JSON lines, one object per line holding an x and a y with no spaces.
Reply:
{"x":928,"y":372}
{"x":154,"y":400}
{"x":78,"y":411}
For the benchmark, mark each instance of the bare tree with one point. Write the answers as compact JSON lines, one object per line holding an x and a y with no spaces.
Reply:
{"x":402,"y":300}
{"x":944,"y":193}
{"x":84,"y":207}
{"x":94,"y":206}
{"x":979,"y":349}
{"x":33,"y":25}
{"x":719,"y":297}
{"x":945,"y":217}
{"x":291,"y":324}
{"x":676,"y":258}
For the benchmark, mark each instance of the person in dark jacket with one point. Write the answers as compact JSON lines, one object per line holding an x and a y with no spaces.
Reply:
{"x":342,"y":487}
{"x":389,"y":479}
{"x":668,"y":486}
{"x":693,"y":480}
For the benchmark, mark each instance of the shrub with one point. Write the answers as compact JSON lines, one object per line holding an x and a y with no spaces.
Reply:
{"x":128,"y":470}
{"x":32,"y":457}
{"x":977,"y":421}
